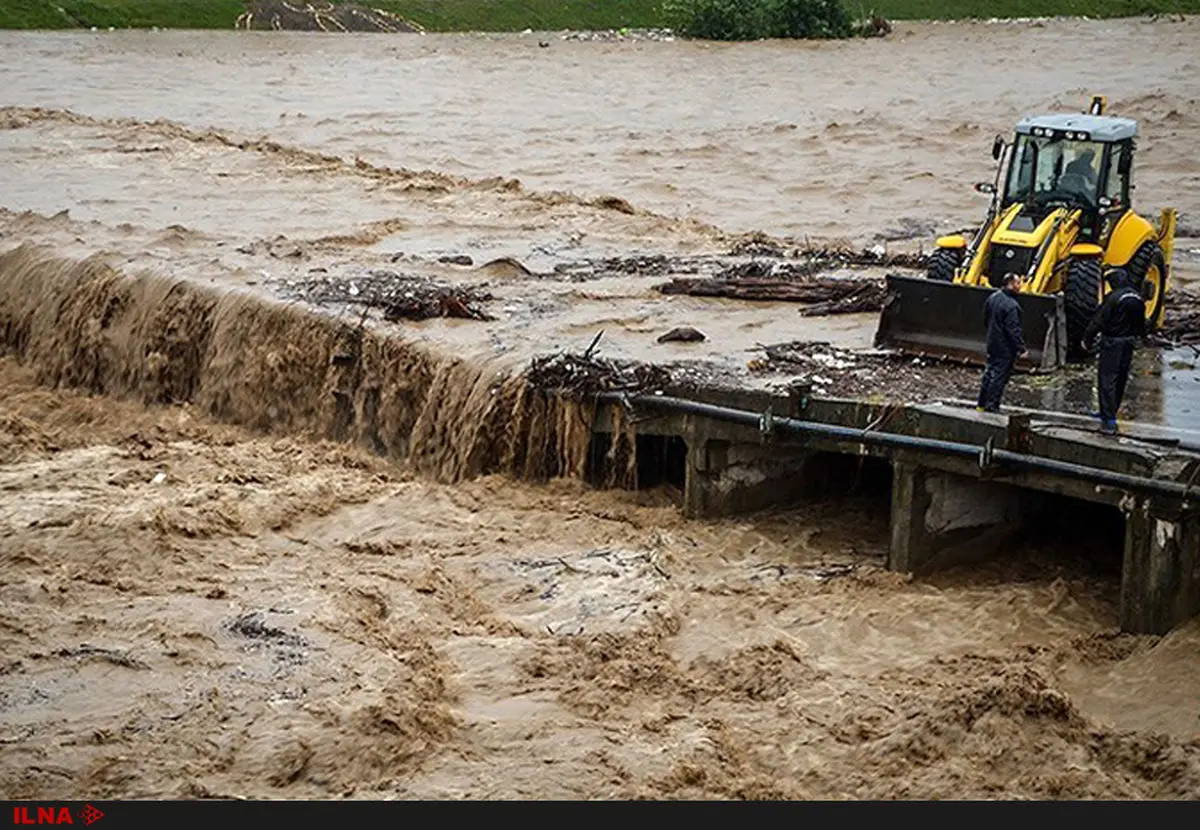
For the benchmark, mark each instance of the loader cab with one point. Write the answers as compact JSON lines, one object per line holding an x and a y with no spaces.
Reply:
{"x":1071,"y":161}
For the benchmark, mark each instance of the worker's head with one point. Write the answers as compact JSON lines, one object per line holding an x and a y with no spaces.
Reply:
{"x":1117,"y":278}
{"x":1087,"y":156}
{"x":1012,"y":281}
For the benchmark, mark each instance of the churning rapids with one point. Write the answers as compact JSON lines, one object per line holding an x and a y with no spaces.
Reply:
{"x":233,"y":564}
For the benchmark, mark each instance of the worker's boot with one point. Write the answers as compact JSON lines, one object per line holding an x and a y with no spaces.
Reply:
{"x":1109,"y":427}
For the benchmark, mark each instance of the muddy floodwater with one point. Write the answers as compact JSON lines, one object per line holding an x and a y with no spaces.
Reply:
{"x":201,"y":598}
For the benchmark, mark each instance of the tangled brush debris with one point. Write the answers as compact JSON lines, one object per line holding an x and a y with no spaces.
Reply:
{"x":400,"y":297}
{"x":579,"y":376}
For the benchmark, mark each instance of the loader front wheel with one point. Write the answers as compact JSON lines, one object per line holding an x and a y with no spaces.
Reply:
{"x":942,"y":264}
{"x":1081,"y":299}
{"x":1148,"y":269}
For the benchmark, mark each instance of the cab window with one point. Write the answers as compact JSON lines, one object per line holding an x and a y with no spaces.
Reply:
{"x":1047,"y":170}
{"x":1115,"y":186}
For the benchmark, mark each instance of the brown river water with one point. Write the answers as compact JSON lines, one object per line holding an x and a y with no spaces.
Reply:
{"x":193,"y":609}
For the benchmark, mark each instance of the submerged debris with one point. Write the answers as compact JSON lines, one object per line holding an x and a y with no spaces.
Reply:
{"x":401,"y":297}
{"x":654,"y":265}
{"x":117,"y":658}
{"x":759,"y":257}
{"x":761,"y":245}
{"x":253,"y":626}
{"x":683,"y":334}
{"x":279,"y":247}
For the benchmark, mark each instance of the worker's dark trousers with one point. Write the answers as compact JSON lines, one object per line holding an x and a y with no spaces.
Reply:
{"x":995,"y":378}
{"x":1112,"y":370}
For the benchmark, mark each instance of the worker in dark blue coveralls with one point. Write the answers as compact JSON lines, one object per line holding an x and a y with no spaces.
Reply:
{"x":1121,"y":323}
{"x":1005,"y":345}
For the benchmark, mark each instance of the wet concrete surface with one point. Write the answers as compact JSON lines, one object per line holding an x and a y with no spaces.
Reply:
{"x":1164,"y":389}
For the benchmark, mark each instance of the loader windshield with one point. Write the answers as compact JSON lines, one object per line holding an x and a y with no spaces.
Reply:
{"x":1047,"y":172}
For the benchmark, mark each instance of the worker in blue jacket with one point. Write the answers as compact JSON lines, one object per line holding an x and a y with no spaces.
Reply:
{"x":1005,"y":344}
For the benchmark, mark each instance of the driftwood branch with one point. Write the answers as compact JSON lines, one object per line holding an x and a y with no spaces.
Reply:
{"x":823,"y":295}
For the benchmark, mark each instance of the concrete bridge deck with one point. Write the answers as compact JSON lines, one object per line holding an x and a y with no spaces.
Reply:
{"x":964,"y":484}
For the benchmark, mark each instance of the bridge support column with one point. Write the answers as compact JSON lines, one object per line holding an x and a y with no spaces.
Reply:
{"x":727,"y":477}
{"x":940,"y":520}
{"x":1160,"y":578}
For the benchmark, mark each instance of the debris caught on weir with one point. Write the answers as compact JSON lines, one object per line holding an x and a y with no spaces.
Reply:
{"x":578,"y":376}
{"x":400,"y":297}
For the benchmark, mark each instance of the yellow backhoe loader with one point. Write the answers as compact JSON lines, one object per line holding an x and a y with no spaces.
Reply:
{"x":1061,"y":218}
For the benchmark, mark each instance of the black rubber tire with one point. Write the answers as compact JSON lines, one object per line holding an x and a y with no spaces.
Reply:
{"x":1139,"y":265}
{"x":942,"y":263}
{"x":1081,"y":299}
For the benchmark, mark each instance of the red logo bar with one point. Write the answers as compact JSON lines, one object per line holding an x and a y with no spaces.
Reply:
{"x":55,"y":815}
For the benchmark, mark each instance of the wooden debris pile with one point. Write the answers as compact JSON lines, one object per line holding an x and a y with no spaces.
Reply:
{"x":1181,"y":320}
{"x":400,"y":297}
{"x":866,"y":296}
{"x":832,"y":370}
{"x":580,"y":376}
{"x":822,"y":295}
{"x":812,"y":355}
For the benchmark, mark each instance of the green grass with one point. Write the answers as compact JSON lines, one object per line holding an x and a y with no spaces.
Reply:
{"x":517,"y":15}
{"x":120,"y":14}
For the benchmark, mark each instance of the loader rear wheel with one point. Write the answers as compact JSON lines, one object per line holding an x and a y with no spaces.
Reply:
{"x":1081,"y":298}
{"x":1148,"y":270}
{"x":942,"y":264}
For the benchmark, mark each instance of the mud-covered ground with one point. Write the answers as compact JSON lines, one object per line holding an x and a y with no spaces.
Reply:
{"x":192,"y":611}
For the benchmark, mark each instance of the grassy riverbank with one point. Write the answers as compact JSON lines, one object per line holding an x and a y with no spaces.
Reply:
{"x":544,"y":15}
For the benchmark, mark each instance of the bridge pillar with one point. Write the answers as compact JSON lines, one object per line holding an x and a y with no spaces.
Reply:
{"x":727,"y":476}
{"x":1160,"y":577}
{"x":940,"y":519}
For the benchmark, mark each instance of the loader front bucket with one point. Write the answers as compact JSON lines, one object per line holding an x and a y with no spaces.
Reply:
{"x":944,"y":319}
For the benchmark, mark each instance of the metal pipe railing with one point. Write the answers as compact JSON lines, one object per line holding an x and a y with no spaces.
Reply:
{"x":985,"y":454}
